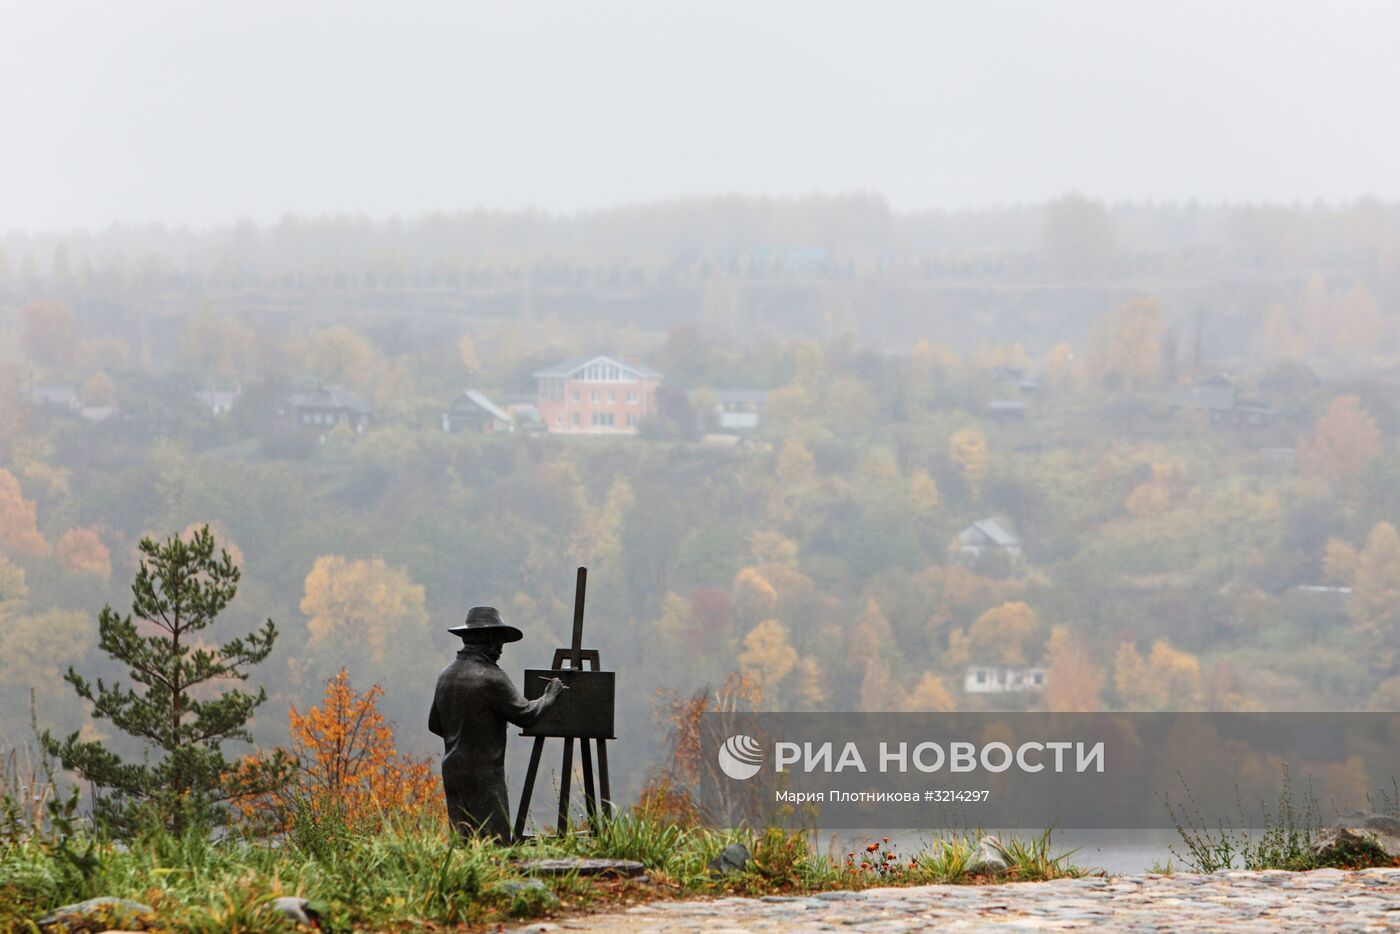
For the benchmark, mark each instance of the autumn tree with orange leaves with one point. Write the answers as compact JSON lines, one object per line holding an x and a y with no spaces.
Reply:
{"x":968,"y":449}
{"x":767,"y":657}
{"x":362,"y":601}
{"x":1167,"y":679}
{"x":343,"y":768}
{"x":1345,"y":442}
{"x":19,"y":530}
{"x":1373,"y":573}
{"x":671,"y":793}
{"x":1073,"y":680}
{"x":1124,"y":349}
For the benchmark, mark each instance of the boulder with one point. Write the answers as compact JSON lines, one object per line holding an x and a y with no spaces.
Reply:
{"x":989,"y":859}
{"x":733,"y":858}
{"x":1355,"y":829}
{"x":298,"y":909}
{"x":98,"y":914}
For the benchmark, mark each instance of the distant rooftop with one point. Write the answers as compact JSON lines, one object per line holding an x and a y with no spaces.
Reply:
{"x":567,"y":368}
{"x":330,"y":397}
{"x":741,"y":395}
{"x":995,"y":532}
{"x":487,"y":406}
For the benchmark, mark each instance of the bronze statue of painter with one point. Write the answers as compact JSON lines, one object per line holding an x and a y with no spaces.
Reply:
{"x":473,"y":703}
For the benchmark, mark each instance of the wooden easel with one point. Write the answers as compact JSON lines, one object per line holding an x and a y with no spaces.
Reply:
{"x":575,"y":655}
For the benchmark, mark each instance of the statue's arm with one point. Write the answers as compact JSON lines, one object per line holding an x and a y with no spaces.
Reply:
{"x":434,"y":721}
{"x":513,"y":706}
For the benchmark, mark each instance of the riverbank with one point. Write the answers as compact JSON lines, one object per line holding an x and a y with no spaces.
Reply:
{"x":1234,"y":901}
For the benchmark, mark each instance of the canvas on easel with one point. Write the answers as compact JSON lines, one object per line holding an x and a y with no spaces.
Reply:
{"x":588,"y":713}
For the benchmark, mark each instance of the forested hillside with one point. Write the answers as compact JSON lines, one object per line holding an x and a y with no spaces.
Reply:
{"x":1182,"y":416}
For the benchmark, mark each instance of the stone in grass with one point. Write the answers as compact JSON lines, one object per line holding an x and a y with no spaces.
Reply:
{"x":300,"y":910}
{"x":98,"y":914}
{"x":526,"y":896}
{"x":583,"y":867}
{"x":1358,"y":830}
{"x":989,"y":859}
{"x":733,"y":858}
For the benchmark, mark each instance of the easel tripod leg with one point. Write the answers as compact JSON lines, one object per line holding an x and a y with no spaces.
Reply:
{"x":565,"y":774}
{"x":529,"y":788}
{"x":590,"y":799}
{"x":603,"y":787}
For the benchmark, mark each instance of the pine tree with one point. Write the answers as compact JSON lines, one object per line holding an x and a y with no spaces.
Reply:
{"x":179,"y":590}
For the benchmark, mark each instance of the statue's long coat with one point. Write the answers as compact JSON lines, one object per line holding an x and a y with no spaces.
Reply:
{"x":473,"y":703}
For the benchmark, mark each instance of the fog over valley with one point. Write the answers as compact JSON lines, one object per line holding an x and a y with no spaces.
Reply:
{"x":892,"y":358}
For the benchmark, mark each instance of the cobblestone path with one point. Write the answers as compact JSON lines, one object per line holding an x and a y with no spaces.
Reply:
{"x":1326,"y":899}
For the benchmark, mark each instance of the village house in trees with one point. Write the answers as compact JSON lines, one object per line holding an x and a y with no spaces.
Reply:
{"x":989,"y":536}
{"x":1003,"y":679}
{"x":596,"y":395}
{"x":323,"y":407}
{"x":1220,"y":401}
{"x":739,"y":409}
{"x":472,"y":411}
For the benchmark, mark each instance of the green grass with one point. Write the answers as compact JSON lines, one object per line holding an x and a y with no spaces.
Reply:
{"x":415,"y":876}
{"x":1035,"y":860}
{"x":951,"y":859}
{"x":1284,"y":842}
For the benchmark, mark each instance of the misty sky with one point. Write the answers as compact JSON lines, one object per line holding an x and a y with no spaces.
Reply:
{"x":205,"y":113}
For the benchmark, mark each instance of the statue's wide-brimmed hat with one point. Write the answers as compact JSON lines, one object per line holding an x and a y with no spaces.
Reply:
{"x":487,"y":620}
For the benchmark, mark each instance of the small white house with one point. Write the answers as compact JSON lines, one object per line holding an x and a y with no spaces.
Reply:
{"x":1002,"y":679}
{"x":739,"y":409}
{"x":97,"y":413}
{"x":218,"y":401}
{"x":989,"y":536}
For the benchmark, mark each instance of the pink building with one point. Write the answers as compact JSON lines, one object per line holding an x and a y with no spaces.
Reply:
{"x":596,"y":395}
